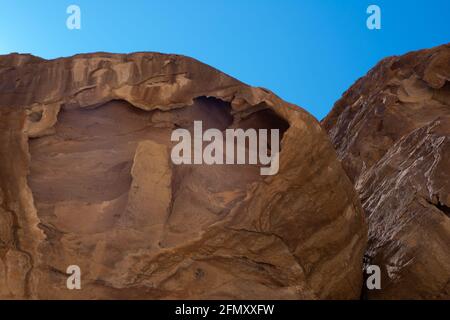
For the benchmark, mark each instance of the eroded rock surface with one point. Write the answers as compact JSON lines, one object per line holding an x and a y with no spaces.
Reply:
{"x":391,"y":130}
{"x":86,"y":179}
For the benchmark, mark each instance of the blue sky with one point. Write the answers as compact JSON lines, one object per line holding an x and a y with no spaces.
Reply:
{"x":306,"y":51}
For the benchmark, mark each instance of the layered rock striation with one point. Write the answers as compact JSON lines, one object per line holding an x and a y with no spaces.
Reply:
{"x":391,"y":130}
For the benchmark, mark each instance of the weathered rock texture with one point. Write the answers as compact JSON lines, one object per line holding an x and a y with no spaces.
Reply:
{"x":86,"y":179}
{"x":391,"y":130}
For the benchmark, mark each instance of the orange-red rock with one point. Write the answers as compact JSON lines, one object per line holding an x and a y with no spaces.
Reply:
{"x":391,"y":130}
{"x":86,"y":179}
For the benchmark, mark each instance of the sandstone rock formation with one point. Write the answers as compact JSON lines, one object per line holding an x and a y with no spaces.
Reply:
{"x":86,"y":179}
{"x":391,"y":130}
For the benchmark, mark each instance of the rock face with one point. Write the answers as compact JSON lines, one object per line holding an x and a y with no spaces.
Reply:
{"x":86,"y":179}
{"x":391,"y":130}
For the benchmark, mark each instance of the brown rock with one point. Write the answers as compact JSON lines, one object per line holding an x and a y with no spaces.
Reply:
{"x":391,"y":130}
{"x":86,"y":179}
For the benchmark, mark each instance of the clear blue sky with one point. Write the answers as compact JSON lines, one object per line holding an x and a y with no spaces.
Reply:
{"x":306,"y":51}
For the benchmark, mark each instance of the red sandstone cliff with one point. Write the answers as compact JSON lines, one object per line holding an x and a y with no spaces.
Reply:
{"x":391,"y":130}
{"x":86,"y":179}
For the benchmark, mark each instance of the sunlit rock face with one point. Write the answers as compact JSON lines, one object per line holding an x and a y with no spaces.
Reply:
{"x":86,"y":179}
{"x":391,"y":130}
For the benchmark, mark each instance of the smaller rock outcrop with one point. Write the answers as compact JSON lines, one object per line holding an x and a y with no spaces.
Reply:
{"x":391,"y":130}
